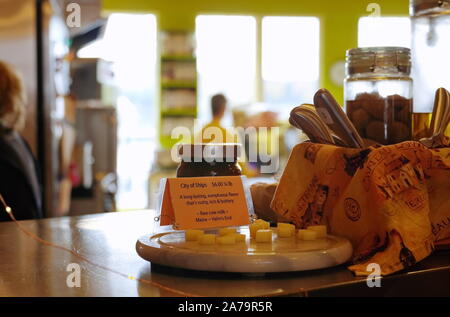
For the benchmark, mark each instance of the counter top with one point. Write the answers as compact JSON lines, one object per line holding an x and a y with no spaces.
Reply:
{"x":28,"y":268}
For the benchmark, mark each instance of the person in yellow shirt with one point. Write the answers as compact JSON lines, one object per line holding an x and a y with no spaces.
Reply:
{"x":214,"y":132}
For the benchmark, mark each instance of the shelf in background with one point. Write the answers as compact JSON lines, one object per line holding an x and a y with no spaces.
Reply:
{"x":179,"y":113}
{"x":178,"y":58}
{"x":174,"y":84}
{"x":178,"y":84}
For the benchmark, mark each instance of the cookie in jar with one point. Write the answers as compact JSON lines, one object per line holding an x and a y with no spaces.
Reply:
{"x":378,"y":93}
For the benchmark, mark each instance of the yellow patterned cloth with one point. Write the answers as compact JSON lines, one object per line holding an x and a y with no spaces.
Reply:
{"x":391,"y":202}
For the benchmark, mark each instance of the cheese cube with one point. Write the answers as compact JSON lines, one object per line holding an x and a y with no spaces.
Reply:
{"x":285,"y":230}
{"x":264,"y":236}
{"x":239,"y":237}
{"x":321,"y":231}
{"x":253,"y":228}
{"x":228,"y":239}
{"x":258,"y":224}
{"x":263,"y":224}
{"x":225,"y":231}
{"x":304,"y":234}
{"x":192,"y":234}
{"x":285,"y":225}
{"x":207,"y":239}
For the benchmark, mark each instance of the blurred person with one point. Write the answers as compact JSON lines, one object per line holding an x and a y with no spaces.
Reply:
{"x":19,"y":181}
{"x":214,"y":131}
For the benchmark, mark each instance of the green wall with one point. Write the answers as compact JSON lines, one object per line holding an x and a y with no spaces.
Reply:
{"x":339,"y":19}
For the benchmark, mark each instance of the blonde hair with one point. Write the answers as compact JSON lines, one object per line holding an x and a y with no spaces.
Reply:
{"x":12,"y":98}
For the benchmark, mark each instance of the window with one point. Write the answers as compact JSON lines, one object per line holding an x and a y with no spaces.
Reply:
{"x":227,"y":61}
{"x":129,"y":44}
{"x":384,"y":31}
{"x":290,"y":61}
{"x":226,"y":53}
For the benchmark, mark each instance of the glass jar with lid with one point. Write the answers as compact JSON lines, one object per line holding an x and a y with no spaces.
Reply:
{"x":209,"y":159}
{"x":378,"y":93}
{"x":430,"y":21}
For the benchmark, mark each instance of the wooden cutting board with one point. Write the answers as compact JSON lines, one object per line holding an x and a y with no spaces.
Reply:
{"x":283,"y":255}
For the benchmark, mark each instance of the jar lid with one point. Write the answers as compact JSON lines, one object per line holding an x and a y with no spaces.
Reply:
{"x":217,"y":152}
{"x":378,"y":60}
{"x":429,"y":7}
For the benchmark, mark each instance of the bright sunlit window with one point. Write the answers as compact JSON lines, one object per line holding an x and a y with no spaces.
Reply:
{"x":290,"y":61}
{"x":226,"y":55}
{"x":384,"y":31}
{"x":129,"y":43}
